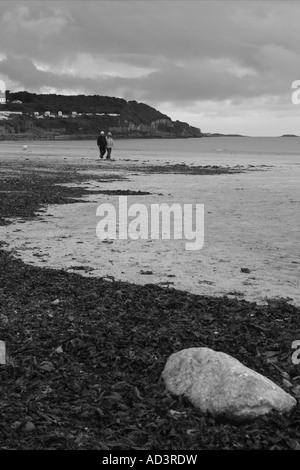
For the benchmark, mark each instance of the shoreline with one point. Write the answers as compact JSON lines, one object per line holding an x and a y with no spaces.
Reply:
{"x":32,"y":138}
{"x":254,"y":272}
{"x":86,"y":354}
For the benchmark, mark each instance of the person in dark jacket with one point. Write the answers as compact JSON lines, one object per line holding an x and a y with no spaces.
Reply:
{"x":101,"y":142}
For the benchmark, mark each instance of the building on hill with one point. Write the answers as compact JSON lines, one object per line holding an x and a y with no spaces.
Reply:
{"x":9,"y":114}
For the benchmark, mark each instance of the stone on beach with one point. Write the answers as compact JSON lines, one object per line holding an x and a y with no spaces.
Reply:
{"x":2,"y":352}
{"x":219,"y":384}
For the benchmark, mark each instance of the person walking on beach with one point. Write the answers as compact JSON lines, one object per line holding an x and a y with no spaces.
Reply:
{"x":101,"y":142}
{"x":109,"y":145}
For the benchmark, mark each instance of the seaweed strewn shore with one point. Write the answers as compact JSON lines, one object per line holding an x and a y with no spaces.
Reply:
{"x":85,"y":355}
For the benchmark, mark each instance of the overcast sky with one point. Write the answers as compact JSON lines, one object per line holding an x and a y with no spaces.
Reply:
{"x":223,"y":66}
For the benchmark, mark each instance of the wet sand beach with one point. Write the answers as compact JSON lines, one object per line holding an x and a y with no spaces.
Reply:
{"x":251,"y":225}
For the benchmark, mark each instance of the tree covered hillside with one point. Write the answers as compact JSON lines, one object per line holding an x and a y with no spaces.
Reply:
{"x":123,"y":118}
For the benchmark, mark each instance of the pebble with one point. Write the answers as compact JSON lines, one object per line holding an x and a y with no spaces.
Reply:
{"x":29,"y":426}
{"x":16,"y":425}
{"x":296,"y":391}
{"x":47,"y":366}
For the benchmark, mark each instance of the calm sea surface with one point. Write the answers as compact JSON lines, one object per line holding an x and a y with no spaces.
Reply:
{"x":210,"y":145}
{"x":207,"y":150}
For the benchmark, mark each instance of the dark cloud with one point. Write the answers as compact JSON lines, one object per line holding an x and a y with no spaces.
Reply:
{"x":23,"y":72}
{"x":171,"y":83}
{"x":153,"y":51}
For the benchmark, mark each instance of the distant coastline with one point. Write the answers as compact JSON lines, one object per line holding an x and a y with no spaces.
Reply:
{"x":217,"y":134}
{"x":289,"y":135}
{"x":59,"y":138}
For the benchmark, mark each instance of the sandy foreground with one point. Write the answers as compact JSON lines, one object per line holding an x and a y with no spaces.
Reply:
{"x":251,"y":229}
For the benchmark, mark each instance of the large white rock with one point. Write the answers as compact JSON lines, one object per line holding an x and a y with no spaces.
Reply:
{"x":221,"y":385}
